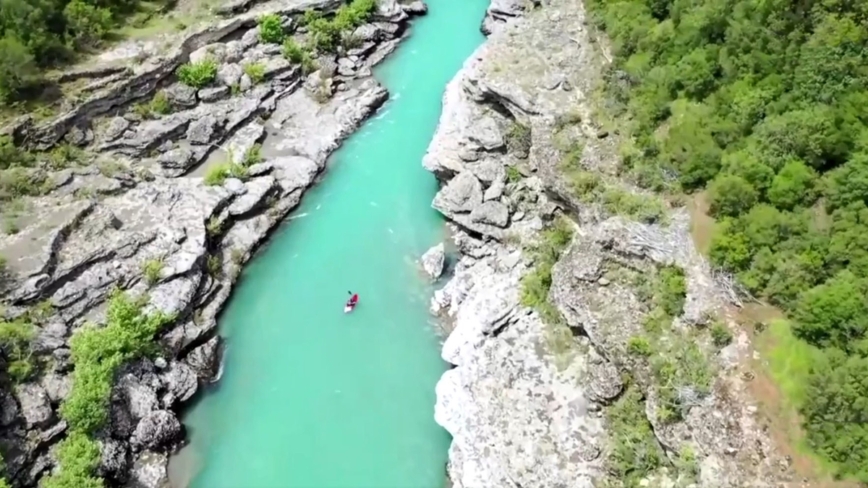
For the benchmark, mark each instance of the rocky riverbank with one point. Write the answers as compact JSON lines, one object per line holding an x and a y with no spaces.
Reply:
{"x":135,"y":213}
{"x":606,"y":388}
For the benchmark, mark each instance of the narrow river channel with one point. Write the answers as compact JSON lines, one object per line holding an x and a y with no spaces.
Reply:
{"x":314,"y":398}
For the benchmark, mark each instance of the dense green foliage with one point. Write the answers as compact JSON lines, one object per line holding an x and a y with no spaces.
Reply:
{"x":255,"y":71}
{"x":535,"y":284}
{"x":326,"y":34}
{"x":15,"y":340}
{"x":271,"y":29}
{"x":763,"y":102}
{"x":300,"y":55}
{"x":97,"y":352}
{"x":36,"y":34}
{"x":633,"y":450}
{"x":78,"y":456}
{"x":198,"y":75}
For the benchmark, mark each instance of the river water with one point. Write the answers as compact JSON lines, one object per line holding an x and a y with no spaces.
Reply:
{"x":311,"y":397}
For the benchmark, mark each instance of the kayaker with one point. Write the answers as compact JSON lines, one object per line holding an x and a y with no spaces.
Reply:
{"x":354,"y":298}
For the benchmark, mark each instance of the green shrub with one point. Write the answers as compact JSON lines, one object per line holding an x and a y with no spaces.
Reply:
{"x":633,"y":450}
{"x":218,"y":173}
{"x":720,"y":335}
{"x":300,"y":55}
{"x":77,"y":457}
{"x":535,"y":284}
{"x":214,"y":266}
{"x":518,"y":140}
{"x":672,"y":290}
{"x":213,"y":227}
{"x":152,"y":269}
{"x":16,"y":338}
{"x":327,"y":34}
{"x":639,"y":346}
{"x":271,"y":29}
{"x":17,"y":69}
{"x":513,"y":175}
{"x":87,"y":23}
{"x":683,"y":377}
{"x":255,"y":71}
{"x":644,"y":208}
{"x":253,"y":156}
{"x":11,"y":156}
{"x":198,"y":75}
{"x":19,"y":182}
{"x":160,"y":104}
{"x":65,"y":155}
{"x":98,"y":352}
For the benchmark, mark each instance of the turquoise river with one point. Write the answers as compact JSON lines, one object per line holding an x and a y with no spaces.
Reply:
{"x":311,"y":397}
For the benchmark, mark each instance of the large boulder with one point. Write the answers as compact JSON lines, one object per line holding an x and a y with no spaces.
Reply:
{"x":462,"y":194}
{"x":205,"y":359}
{"x":150,"y":470}
{"x":159,"y":428}
{"x":35,"y":404}
{"x":181,"y":384}
{"x":433,"y":260}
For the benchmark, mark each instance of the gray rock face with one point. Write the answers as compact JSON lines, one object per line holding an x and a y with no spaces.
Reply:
{"x":57,"y":387}
{"x":492,"y":213}
{"x":213,"y":94}
{"x":518,"y":382}
{"x":204,"y":359}
{"x":35,"y":404}
{"x":462,"y":194}
{"x":158,"y":428}
{"x":416,"y":7}
{"x":150,"y":470}
{"x":230,"y":74}
{"x":433,"y":260}
{"x":181,"y":95}
{"x":506,"y":392}
{"x":115,"y":127}
{"x":84,"y":248}
{"x":114,"y":459}
{"x":181,"y":384}
{"x":201,"y":131}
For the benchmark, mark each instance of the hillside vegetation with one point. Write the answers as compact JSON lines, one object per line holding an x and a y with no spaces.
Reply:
{"x":38,"y":34}
{"x":762,"y":103}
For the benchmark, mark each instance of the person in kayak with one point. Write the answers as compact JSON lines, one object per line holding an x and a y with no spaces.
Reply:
{"x":354,"y":299}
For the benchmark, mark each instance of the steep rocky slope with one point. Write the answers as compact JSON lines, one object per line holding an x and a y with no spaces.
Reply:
{"x":135,"y":214}
{"x":608,"y":384}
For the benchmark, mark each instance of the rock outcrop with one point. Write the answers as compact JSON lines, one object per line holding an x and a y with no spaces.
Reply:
{"x":142,"y":218}
{"x":527,"y":400}
{"x":433,"y":261}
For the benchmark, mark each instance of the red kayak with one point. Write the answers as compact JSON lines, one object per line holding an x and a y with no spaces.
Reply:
{"x":351,"y":304}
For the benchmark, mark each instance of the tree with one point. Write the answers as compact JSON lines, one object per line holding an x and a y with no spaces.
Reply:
{"x":833,"y":314}
{"x":793,"y":186}
{"x":87,"y":23}
{"x":848,"y":183}
{"x":731,"y":195}
{"x":836,"y":410}
{"x":17,"y":69}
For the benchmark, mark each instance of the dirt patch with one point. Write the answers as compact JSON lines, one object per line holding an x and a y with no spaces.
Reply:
{"x":701,"y":224}
{"x":777,"y":409}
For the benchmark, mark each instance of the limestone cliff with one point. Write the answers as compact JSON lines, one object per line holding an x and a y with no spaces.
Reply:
{"x":534,"y":402}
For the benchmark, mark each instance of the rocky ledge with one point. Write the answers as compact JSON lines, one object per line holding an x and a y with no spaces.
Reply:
{"x":139,"y":216}
{"x":530,"y":402}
